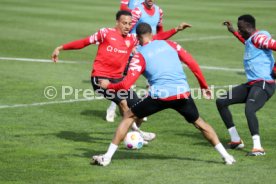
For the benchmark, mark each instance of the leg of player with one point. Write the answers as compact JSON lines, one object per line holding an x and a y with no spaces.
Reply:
{"x":111,"y":112}
{"x":147,"y":136}
{"x":256,"y":99}
{"x":209,"y":133}
{"x":120,"y":134}
{"x":236,"y":95}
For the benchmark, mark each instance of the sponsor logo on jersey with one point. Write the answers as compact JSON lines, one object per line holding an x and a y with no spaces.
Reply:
{"x":115,"y":50}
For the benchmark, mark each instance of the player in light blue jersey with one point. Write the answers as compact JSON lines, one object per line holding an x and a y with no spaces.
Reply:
{"x":150,"y":13}
{"x":258,"y":64}
{"x":160,"y":62}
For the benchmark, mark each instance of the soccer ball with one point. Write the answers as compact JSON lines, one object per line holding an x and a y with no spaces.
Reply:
{"x":133,"y":140}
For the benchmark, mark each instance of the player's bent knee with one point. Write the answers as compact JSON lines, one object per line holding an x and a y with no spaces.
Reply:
{"x":219,"y":103}
{"x":192,"y":118}
{"x":200,"y":123}
{"x":249,"y":111}
{"x":123,"y":106}
{"x":129,"y":114}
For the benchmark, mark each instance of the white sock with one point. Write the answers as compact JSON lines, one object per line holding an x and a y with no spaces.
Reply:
{"x":222,"y":151}
{"x":234,"y":134}
{"x":111,"y":150}
{"x":134,"y":127}
{"x":256,"y":142}
{"x":112,"y":106}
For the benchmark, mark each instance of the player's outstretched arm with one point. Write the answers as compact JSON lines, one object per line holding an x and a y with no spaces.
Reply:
{"x":207,"y":93}
{"x":56,"y":53}
{"x":168,"y":34}
{"x":229,"y":26}
{"x":77,"y":44}
{"x":182,"y":26}
{"x":231,"y":29}
{"x":136,"y":68}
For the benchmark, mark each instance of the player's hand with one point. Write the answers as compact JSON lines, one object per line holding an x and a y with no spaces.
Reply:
{"x":103,"y":83}
{"x":182,"y":26}
{"x":134,"y":50}
{"x":229,"y":26}
{"x":207,"y":94}
{"x":56,"y":53}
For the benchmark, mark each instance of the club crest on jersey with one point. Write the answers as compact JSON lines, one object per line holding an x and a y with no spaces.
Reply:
{"x":127,"y":43}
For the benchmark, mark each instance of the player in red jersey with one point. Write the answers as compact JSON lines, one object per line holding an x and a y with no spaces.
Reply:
{"x":127,"y":5}
{"x":115,"y":47}
{"x":142,"y":11}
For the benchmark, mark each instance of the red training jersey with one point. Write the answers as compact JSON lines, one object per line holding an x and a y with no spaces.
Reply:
{"x":113,"y":51}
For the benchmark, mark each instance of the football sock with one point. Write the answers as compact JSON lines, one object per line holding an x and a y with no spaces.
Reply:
{"x":234,"y":134}
{"x":135,"y":127}
{"x":222,"y":151}
{"x":111,"y":150}
{"x":112,"y":106}
{"x":256,"y":142}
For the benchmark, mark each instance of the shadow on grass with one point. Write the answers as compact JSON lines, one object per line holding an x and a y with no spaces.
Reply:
{"x":194,"y":135}
{"x":204,"y":142}
{"x":98,"y":113}
{"x":86,"y":81}
{"x":83,"y":136}
{"x":241,"y":73}
{"x":136,"y":154}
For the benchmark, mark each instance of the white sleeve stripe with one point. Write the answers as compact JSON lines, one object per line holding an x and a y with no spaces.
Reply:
{"x":96,"y":37}
{"x":262,"y":41}
{"x":178,"y":47}
{"x":124,"y":1}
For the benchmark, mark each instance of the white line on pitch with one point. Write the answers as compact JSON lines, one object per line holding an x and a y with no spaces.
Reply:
{"x":79,"y":100}
{"x":204,"y":38}
{"x":222,"y":68}
{"x":37,"y":60}
{"x":76,"y":62}
{"x":219,"y":68}
{"x":44,"y":103}
{"x":216,"y":87}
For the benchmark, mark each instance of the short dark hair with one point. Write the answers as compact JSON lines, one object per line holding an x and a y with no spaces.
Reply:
{"x":143,"y":28}
{"x":248,"y":19}
{"x":122,"y":12}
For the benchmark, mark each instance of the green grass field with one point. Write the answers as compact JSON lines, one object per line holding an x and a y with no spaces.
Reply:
{"x":50,"y":141}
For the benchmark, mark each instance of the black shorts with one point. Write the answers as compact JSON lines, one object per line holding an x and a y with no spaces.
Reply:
{"x":149,"y":106}
{"x":241,"y":93}
{"x":129,"y":95}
